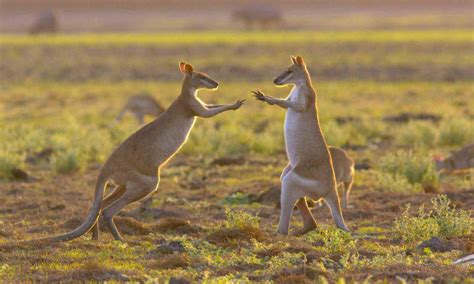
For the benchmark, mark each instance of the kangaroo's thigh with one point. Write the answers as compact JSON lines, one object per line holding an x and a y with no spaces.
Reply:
{"x":306,"y":186}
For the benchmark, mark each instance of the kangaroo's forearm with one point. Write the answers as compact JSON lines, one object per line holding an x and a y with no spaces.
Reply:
{"x":296,"y":106}
{"x":210,"y":112}
{"x":214,"y":106}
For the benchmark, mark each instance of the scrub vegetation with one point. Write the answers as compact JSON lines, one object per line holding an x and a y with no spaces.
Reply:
{"x":392,"y":98}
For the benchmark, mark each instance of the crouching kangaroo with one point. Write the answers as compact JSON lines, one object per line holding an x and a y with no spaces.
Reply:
{"x":344,"y":171}
{"x":310,"y":172}
{"x":141,"y":106}
{"x":134,"y":167}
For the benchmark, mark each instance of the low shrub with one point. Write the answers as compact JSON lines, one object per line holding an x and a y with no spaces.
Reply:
{"x":240,"y":219}
{"x":456,"y":132}
{"x":416,"y":228}
{"x":334,"y":239}
{"x":443,"y":221}
{"x":452,"y":222}
{"x":418,"y":134}
{"x":416,"y":169}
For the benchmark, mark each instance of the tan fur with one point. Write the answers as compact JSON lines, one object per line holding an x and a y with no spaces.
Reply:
{"x":141,"y":106}
{"x":134,"y":167}
{"x":310,"y":172}
{"x":344,"y":172}
{"x":46,"y":22}
{"x":459,"y":160}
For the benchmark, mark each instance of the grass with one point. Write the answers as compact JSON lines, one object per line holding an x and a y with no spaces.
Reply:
{"x":456,"y":132}
{"x":443,"y":221}
{"x":68,"y":106}
{"x":178,"y":38}
{"x":417,"y":170}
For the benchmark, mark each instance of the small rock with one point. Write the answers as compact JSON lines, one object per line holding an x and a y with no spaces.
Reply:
{"x":362,"y":166}
{"x":227,"y":161}
{"x":166,"y":248}
{"x":19,"y":174}
{"x":437,"y":245}
{"x":174,"y":280}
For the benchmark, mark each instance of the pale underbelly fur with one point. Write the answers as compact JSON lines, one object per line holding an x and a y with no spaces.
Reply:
{"x":300,"y":134}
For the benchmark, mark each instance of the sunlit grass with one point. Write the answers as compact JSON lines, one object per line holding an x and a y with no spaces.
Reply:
{"x":226,"y":37}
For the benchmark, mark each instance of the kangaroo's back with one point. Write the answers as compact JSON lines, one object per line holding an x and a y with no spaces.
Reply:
{"x":343,"y":164}
{"x":464,"y":158}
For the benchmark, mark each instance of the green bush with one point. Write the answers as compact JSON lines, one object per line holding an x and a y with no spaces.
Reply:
{"x":452,"y":222}
{"x":8,"y":162}
{"x":417,"y":133}
{"x":443,"y":221}
{"x":416,"y":228}
{"x":67,"y":161}
{"x":235,"y":198}
{"x":77,"y":146}
{"x":456,"y":132}
{"x":335,"y":135}
{"x":396,"y":183}
{"x":334,"y":239}
{"x":240,"y":219}
{"x":417,"y":169}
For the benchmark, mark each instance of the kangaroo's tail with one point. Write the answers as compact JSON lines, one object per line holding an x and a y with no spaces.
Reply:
{"x":92,"y":216}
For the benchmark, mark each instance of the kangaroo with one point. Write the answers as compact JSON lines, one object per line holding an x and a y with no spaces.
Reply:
{"x":258,"y":16}
{"x":344,"y":172}
{"x":46,"y":22}
{"x":140,"y":106}
{"x":309,"y":172}
{"x":134,"y":166}
{"x":459,"y":160}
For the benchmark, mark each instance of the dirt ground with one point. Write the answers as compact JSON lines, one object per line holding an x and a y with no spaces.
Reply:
{"x":191,"y":206}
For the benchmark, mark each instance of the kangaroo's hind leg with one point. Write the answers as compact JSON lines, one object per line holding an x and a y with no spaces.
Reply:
{"x":137,"y":187}
{"x":347,"y":192}
{"x":290,"y":193}
{"x":309,"y":223}
{"x":332,"y":200}
{"x":116,"y":193}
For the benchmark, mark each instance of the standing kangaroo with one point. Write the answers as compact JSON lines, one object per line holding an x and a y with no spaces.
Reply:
{"x":134,"y":167}
{"x":140,"y":106}
{"x":309,"y":172}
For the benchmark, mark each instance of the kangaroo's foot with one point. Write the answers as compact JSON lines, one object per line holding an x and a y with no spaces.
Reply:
{"x":309,"y":223}
{"x":306,"y":229}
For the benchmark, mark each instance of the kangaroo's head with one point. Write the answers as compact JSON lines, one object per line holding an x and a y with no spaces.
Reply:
{"x":294,"y":74}
{"x":196,"y":80}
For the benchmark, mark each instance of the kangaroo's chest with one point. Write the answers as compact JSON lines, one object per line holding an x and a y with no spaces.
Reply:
{"x":300,"y":131}
{"x":174,"y":135}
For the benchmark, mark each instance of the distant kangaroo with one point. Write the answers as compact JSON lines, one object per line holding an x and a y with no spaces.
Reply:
{"x":344,"y":172}
{"x":141,"y":106}
{"x":462,"y":159}
{"x":310,"y":172}
{"x":134,"y":167}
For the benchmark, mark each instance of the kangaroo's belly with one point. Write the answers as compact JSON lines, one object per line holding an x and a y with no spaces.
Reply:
{"x":301,"y":138}
{"x":152,"y":146}
{"x":171,"y":139}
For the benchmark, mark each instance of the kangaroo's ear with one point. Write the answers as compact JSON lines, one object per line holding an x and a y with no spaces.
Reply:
{"x":188,"y":68}
{"x":181,"y":66}
{"x":300,"y":60}
{"x":293,"y":59}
